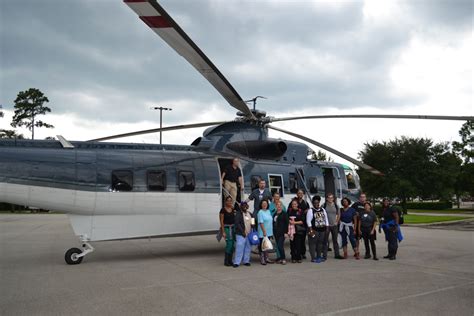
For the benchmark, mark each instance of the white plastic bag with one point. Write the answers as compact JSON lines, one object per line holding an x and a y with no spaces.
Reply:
{"x":266,"y":244}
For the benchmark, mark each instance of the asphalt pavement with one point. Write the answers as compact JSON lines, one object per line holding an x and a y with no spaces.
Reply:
{"x":433,"y":275}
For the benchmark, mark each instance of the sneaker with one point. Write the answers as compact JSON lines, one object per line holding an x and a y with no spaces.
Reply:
{"x":318,"y":260}
{"x":247,"y":264}
{"x":376,"y":259}
{"x":339,"y":257}
{"x":235,"y":265}
{"x":283,"y":262}
{"x":278,"y":261}
{"x":299,"y":261}
{"x":367,"y":256}
{"x":323,"y":259}
{"x":313,"y":260}
{"x":387,"y":257}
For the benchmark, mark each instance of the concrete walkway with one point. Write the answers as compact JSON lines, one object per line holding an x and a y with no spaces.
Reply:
{"x":433,"y":275}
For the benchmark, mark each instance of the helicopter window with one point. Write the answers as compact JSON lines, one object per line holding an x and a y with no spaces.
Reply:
{"x":351,"y":182}
{"x":156,"y":180}
{"x":254,"y":180}
{"x":293,"y":183}
{"x":186,"y":180}
{"x":275,"y":183}
{"x":122,"y":180}
{"x":313,"y":185}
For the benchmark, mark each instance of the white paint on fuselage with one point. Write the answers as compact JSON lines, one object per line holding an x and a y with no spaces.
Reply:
{"x":121,"y":215}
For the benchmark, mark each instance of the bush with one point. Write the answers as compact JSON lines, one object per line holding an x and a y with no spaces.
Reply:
{"x":429,"y":205}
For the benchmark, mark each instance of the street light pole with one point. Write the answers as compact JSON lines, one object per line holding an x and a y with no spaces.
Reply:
{"x":161,"y":113}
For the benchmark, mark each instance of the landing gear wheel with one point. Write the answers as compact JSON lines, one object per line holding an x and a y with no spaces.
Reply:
{"x":71,"y":256}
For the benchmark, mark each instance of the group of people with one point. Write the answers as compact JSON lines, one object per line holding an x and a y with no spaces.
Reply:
{"x":300,"y":222}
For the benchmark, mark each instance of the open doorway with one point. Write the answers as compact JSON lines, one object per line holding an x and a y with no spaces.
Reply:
{"x":329,"y":183}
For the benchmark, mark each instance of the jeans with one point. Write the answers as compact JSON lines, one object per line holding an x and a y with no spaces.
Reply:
{"x":333,"y":230}
{"x":318,"y":245}
{"x":242,"y":250}
{"x":351,"y":237}
{"x":280,"y":248}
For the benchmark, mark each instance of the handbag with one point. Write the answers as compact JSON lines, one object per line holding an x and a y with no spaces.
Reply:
{"x":267,"y":244}
{"x":253,"y":238}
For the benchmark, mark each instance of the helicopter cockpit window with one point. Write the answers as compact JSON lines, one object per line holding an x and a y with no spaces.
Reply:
{"x":313,"y":185}
{"x":186,"y":181}
{"x":156,"y":180}
{"x":293,"y":183}
{"x":351,"y":182}
{"x":254,"y":180}
{"x":122,"y":180}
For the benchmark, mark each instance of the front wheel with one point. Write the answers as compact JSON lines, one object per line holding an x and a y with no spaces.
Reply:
{"x":71,"y":256}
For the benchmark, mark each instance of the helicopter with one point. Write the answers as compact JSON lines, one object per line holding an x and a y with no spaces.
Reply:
{"x":117,"y":191}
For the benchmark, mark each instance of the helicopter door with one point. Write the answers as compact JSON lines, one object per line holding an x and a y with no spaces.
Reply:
{"x":331,"y":178}
{"x":223,"y":164}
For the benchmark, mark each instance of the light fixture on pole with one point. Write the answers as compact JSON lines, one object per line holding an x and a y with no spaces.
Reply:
{"x":161,"y":118}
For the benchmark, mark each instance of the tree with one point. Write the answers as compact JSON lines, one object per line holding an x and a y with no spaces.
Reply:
{"x":412,"y":167}
{"x":8,"y":133}
{"x":28,"y":105}
{"x":465,"y":147}
{"x":321,"y":156}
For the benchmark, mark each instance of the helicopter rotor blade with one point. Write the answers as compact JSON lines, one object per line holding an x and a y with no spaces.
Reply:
{"x":383,"y":116}
{"x":153,"y":15}
{"x":154,"y":130}
{"x":331,"y":150}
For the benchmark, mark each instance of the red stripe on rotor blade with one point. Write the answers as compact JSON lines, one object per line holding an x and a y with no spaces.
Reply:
{"x":155,"y":21}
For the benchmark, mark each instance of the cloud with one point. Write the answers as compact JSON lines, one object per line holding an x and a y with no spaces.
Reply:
{"x":102,"y":68}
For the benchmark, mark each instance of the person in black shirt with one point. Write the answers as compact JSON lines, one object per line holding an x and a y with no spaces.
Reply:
{"x":368,"y":221}
{"x":227,"y":221}
{"x":390,"y":221}
{"x":280,"y":231}
{"x":231,"y":178}
{"x":303,"y":206}
{"x":297,"y":219}
{"x":359,"y":208}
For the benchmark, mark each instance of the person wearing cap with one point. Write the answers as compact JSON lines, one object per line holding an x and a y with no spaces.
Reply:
{"x":242,"y":226}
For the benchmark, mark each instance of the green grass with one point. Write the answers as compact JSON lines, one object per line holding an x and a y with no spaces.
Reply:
{"x":445,"y":211}
{"x":426,"y":219}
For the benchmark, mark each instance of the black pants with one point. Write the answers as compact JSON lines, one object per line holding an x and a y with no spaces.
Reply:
{"x":334,"y":231}
{"x":318,"y":245}
{"x":392,"y":238}
{"x":369,"y":237}
{"x":295,"y":247}
{"x":303,"y":245}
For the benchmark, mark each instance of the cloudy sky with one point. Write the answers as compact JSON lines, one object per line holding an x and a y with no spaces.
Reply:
{"x":102,"y":68}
